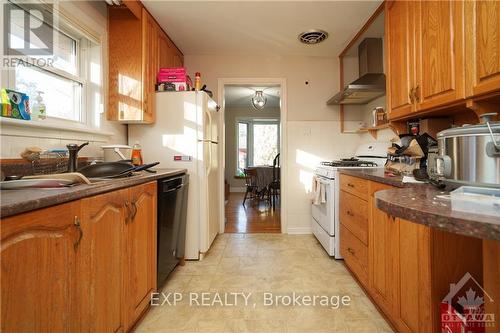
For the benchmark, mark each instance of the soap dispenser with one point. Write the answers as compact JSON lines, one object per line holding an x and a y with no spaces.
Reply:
{"x":38,"y":108}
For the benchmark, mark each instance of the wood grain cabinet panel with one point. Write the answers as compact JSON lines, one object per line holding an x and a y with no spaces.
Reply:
{"x":483,"y":46}
{"x":399,"y":56}
{"x":101,"y":262}
{"x":384,"y":259}
{"x":354,"y":215}
{"x":38,"y":270}
{"x":141,"y":250}
{"x":440,"y":53}
{"x":138,"y":47}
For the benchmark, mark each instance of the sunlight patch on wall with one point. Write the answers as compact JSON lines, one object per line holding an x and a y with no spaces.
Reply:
{"x":307,"y":160}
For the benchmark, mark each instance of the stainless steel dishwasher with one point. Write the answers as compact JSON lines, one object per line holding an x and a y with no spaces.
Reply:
{"x":171,"y":232}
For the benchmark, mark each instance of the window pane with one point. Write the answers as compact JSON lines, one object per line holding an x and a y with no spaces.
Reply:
{"x":242,"y":147}
{"x":62,"y":97}
{"x":265,"y":143}
{"x":64,"y":47}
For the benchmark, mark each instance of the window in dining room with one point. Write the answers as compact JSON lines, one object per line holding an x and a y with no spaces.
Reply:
{"x":258,"y":143}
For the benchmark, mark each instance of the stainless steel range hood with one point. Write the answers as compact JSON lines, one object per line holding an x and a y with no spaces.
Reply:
{"x":371,"y":83}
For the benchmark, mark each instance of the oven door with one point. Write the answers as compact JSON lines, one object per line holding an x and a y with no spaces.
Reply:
{"x":323,"y":213}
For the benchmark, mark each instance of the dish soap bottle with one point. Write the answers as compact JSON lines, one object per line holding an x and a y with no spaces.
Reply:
{"x":38,"y":108}
{"x":197,"y":81}
{"x":137,"y":154}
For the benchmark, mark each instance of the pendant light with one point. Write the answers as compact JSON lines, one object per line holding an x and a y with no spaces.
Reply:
{"x":258,"y":100}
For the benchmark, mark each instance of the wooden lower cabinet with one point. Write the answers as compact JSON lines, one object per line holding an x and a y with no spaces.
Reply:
{"x":38,"y":261}
{"x":101,"y":262}
{"x":141,"y":251}
{"x":84,"y":266}
{"x":410,"y":266}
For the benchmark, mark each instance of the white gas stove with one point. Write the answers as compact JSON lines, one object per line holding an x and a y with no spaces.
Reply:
{"x":325,"y":221}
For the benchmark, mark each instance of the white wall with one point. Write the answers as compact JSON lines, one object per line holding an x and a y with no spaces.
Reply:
{"x":14,"y":139}
{"x":313,"y":129}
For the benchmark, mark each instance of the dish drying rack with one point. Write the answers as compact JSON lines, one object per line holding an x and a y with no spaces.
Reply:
{"x":49,"y":162}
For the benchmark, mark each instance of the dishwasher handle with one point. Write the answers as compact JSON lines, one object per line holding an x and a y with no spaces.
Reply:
{"x":172,"y":184}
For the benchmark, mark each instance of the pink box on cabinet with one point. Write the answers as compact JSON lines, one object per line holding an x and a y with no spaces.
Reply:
{"x":174,"y":74}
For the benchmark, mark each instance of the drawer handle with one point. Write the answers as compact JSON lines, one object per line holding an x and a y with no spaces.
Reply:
{"x":350,"y":185}
{"x":350,"y":213}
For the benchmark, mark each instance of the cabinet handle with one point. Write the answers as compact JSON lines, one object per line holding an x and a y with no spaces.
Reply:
{"x":416,"y":92}
{"x":134,"y":211}
{"x":76,"y":223}
{"x":351,"y":251}
{"x":350,"y":213}
{"x":350,"y":185}
{"x":127,"y":207}
{"x":411,"y":95}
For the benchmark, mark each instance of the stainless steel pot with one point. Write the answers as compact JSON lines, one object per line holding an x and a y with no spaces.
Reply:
{"x":114,"y":153}
{"x":469,"y":154}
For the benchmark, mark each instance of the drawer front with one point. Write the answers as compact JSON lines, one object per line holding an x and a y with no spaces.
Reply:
{"x":354,"y":185}
{"x":355,"y":254}
{"x":354,"y":215}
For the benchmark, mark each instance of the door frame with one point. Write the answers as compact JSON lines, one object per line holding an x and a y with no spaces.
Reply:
{"x":281,"y":82}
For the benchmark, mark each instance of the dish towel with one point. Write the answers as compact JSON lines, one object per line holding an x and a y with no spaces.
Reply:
{"x":318,"y":192}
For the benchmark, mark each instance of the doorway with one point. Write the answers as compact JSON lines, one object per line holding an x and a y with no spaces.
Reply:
{"x":252,"y":113}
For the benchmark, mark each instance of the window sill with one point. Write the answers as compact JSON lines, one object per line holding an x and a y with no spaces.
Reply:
{"x":50,"y":126}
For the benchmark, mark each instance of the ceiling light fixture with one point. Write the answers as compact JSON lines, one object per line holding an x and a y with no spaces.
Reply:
{"x":258,"y":100}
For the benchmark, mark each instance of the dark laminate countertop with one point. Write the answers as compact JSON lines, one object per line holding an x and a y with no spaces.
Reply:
{"x":425,"y":204}
{"x":377,"y":175}
{"x":19,"y":201}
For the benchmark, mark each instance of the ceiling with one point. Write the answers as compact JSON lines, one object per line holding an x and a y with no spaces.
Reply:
{"x":260,"y":27}
{"x":241,"y":96}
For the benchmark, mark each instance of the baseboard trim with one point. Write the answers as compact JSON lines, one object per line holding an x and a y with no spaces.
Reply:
{"x":237,"y":189}
{"x":299,"y":231}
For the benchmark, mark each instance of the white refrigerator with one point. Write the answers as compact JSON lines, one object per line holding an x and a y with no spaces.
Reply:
{"x":185,"y":136}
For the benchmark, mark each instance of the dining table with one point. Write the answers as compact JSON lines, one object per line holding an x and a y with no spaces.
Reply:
{"x":264,"y":175}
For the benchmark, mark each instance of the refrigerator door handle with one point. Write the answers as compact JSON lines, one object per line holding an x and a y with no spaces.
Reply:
{"x":209,"y":117}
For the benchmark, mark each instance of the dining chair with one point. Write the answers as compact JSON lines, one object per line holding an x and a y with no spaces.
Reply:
{"x":250,"y":184}
{"x":274,"y":187}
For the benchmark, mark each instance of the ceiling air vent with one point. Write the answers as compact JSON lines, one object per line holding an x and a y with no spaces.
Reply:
{"x":315,"y":36}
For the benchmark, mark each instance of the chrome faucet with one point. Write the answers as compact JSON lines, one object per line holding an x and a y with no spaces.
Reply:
{"x":73,"y":150}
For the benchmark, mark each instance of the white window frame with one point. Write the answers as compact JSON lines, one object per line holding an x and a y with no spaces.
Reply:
{"x":75,"y":31}
{"x":250,"y":149}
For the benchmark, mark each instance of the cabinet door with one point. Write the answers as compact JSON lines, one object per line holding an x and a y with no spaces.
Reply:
{"x":440,"y":53}
{"x":483,"y":38}
{"x":141,"y":250}
{"x":399,"y":32}
{"x":383,"y":260}
{"x":38,"y":270}
{"x":101,"y":262}
{"x":413,"y":311}
{"x":149,"y":66}
{"x":165,"y":55}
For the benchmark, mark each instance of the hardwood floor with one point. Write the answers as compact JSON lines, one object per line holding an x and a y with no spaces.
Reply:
{"x":254,"y":217}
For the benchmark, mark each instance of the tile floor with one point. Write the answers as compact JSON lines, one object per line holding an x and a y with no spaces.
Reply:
{"x":260,"y":263}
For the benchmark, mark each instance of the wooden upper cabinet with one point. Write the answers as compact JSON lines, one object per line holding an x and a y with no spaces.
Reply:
{"x":483,"y":46}
{"x":440,"y":70}
{"x":150,"y":65}
{"x":38,"y":255}
{"x":141,"y":250}
{"x":101,"y":262}
{"x":138,"y":47}
{"x":399,"y":50}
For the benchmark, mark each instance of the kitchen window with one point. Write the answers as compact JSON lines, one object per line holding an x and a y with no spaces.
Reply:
{"x":72,"y":82}
{"x":257,"y":142}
